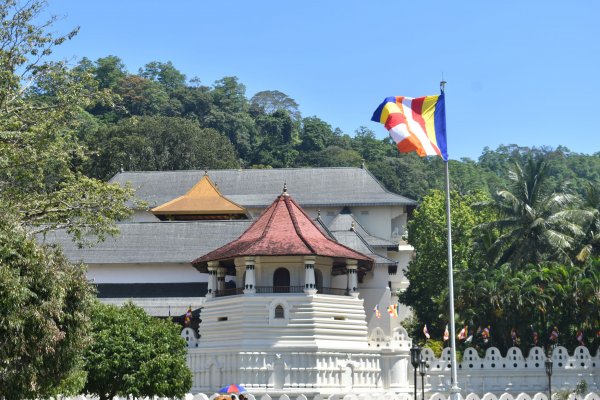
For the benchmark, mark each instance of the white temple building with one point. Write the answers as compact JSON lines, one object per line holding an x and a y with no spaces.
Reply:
{"x":286,"y":321}
{"x":297,"y":324}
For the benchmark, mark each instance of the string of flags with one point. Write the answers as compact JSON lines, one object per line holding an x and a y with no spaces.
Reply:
{"x":392,"y":310}
{"x":467,"y":336}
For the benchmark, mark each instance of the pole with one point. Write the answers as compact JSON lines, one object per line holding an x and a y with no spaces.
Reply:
{"x":549,"y":387}
{"x":422,"y":386}
{"x":415,"y":369}
{"x":455,"y":390}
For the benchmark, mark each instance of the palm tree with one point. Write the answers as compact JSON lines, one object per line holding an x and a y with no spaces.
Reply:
{"x":534,"y":223}
{"x":591,"y":242}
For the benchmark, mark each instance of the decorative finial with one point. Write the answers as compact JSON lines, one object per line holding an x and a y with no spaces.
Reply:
{"x":319,"y":213}
{"x":352,"y":227}
{"x":205,"y":171}
{"x":121,"y":169}
{"x":285,"y":193}
{"x":443,"y":84}
{"x":362,"y":163}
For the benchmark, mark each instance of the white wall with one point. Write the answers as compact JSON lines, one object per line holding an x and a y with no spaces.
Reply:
{"x":144,"y":273}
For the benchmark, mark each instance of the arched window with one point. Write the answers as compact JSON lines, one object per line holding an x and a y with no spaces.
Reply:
{"x":281,"y":281}
{"x":279,"y":312}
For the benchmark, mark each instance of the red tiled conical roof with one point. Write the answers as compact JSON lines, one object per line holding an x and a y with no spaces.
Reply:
{"x":284,"y":229}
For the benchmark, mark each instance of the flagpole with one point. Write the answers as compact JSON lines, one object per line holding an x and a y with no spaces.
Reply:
{"x":455,"y":389}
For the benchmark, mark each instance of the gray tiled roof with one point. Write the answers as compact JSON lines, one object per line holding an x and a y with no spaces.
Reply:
{"x":343,"y":222}
{"x":258,"y":187}
{"x":154,"y":242}
{"x":351,"y":239}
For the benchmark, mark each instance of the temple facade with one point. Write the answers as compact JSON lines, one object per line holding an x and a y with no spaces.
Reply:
{"x":297,"y":323}
{"x":305,"y":301}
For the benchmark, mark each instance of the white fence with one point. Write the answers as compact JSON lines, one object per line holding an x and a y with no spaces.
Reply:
{"x":381,"y":396}
{"x":513,"y":373}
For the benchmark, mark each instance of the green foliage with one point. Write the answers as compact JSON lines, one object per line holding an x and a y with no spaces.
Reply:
{"x":157,"y":143}
{"x":165,"y":73}
{"x":134,"y":354}
{"x":427,"y":272}
{"x":509,"y":262}
{"x":535,"y":222}
{"x":269,"y":101}
{"x":45,"y":304}
{"x":41,"y":106}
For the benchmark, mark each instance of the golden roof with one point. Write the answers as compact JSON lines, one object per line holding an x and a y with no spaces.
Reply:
{"x":204,"y":198}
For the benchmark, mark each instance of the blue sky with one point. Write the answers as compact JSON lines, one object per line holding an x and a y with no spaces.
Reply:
{"x":522,"y":72}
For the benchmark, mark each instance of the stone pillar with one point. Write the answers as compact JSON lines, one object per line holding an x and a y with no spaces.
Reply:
{"x":310,"y":286}
{"x":352,"y":270}
{"x":221,"y":278}
{"x":250,"y":282}
{"x":212,"y":278}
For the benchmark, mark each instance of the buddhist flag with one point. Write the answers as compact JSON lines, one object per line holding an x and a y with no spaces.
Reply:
{"x":426,"y":332}
{"x":485,"y":333}
{"x":188,"y":316}
{"x":554,"y":334}
{"x":580,"y":337}
{"x":446,"y":334}
{"x":393,"y":310}
{"x":377,"y":312}
{"x":463,"y":333}
{"x":415,"y":124}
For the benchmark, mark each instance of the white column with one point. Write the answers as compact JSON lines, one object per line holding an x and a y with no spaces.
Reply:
{"x":212,"y":278}
{"x":221,"y":278}
{"x":250,"y":282}
{"x":310,"y":286}
{"x":352,"y":269}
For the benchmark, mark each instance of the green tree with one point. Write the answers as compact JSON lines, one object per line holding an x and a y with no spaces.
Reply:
{"x":142,"y":96}
{"x":41,"y":106}
{"x":164,"y":73}
{"x":315,"y":134}
{"x":427,"y":272}
{"x":156,"y":143}
{"x":369,"y":147}
{"x":108,"y":71}
{"x":535,"y":223}
{"x":590,"y":246}
{"x":270,"y":101}
{"x":134,"y":354}
{"x":44,"y":306}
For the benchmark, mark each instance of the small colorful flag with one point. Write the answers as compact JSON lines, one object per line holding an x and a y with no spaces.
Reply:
{"x":415,"y":124}
{"x":446,"y":334}
{"x":535,"y":338}
{"x":393,"y":310}
{"x":469,"y":339}
{"x":598,"y":333}
{"x":554,"y":334}
{"x":188,"y":316}
{"x":515,"y":338}
{"x":462,"y":335}
{"x":485,"y":333}
{"x":377,"y":312}
{"x":580,"y":337}
{"x":426,"y":332}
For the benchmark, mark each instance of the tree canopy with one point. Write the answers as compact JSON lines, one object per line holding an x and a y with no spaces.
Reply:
{"x":134,"y":354}
{"x":45,"y":304}
{"x":519,"y":268}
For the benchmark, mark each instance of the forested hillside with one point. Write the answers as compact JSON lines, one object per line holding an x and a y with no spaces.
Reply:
{"x":158,"y":119}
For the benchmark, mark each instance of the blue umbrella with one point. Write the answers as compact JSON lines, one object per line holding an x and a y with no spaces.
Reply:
{"x":232,"y":389}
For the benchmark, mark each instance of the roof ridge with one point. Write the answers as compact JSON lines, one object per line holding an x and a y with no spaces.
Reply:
{"x":295,"y":223}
